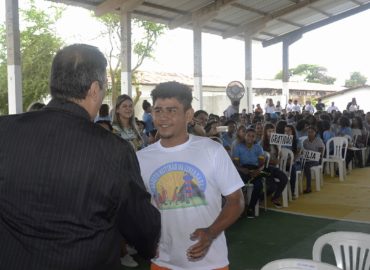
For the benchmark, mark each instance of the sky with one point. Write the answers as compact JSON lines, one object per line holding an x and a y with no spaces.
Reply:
{"x":342,"y":47}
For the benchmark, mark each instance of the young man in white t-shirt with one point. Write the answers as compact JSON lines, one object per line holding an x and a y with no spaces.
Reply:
{"x":186,"y":176}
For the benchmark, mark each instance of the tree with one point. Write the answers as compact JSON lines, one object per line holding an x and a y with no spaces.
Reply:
{"x":39,"y":44}
{"x":356,"y":79}
{"x":311,"y":73}
{"x":143,"y":46}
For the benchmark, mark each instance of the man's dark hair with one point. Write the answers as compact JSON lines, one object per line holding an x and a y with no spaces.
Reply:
{"x":146,"y":105}
{"x":199,"y":112}
{"x":74,"y":69}
{"x":230,"y":122}
{"x":173,"y":89}
{"x":344,"y":121}
{"x":104,"y":110}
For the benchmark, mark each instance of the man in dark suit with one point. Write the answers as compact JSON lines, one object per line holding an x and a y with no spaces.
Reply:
{"x":69,"y":189}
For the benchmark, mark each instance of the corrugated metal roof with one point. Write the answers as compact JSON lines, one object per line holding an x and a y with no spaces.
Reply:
{"x":268,"y":21}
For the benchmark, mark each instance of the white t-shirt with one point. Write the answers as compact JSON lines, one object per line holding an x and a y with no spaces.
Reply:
{"x":270,"y":109}
{"x":296,"y":108}
{"x":332,"y":108}
{"x":289,"y":107}
{"x":309,"y":108}
{"x":186,"y":183}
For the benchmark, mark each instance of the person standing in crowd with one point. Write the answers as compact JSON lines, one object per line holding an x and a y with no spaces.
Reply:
{"x":296,"y":107}
{"x":269,"y":107}
{"x":332,"y":108}
{"x":278,"y":108}
{"x":319,"y":105}
{"x":147,"y":116}
{"x":232,"y":109}
{"x":352,"y":106}
{"x":69,"y":188}
{"x":186,"y":176}
{"x":124,"y":122}
{"x":258,"y":109}
{"x":308,"y":107}
{"x":289,"y":106}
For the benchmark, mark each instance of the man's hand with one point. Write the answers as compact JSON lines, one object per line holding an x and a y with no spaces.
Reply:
{"x":199,"y":249}
{"x":255,"y":173}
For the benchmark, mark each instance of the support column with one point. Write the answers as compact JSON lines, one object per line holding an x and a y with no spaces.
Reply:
{"x":286,"y":43}
{"x":285,"y":90}
{"x":126,"y":84}
{"x":14,"y":58}
{"x":247,"y":101}
{"x":197,"y":46}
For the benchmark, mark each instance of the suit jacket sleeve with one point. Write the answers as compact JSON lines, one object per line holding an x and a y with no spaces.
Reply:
{"x":138,"y":220}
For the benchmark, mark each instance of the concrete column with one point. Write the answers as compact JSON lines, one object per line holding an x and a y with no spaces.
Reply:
{"x":286,"y":43}
{"x":126,"y":84}
{"x":247,"y":101}
{"x":197,"y":47}
{"x":285,"y":90}
{"x":14,"y":57}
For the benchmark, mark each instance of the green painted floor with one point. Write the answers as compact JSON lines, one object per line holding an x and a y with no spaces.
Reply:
{"x":274,"y":235}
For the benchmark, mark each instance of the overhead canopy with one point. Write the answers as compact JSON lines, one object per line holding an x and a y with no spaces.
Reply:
{"x":268,"y":21}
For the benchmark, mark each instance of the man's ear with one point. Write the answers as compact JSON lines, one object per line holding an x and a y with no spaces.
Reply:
{"x":189,"y":114}
{"x":94,"y":90}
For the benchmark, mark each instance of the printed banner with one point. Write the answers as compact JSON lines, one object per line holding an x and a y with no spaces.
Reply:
{"x":311,"y":155}
{"x":281,"y":139}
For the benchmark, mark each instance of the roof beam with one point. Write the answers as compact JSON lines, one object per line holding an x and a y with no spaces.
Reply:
{"x":259,"y":12}
{"x":316,"y":25}
{"x":259,"y":24}
{"x":321,"y":11}
{"x":112,"y":5}
{"x":201,"y":15}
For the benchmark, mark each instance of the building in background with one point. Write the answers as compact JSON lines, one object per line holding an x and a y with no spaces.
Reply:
{"x":214,"y":94}
{"x":341,"y":98}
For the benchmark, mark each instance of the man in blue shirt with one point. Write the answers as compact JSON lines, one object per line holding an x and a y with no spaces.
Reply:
{"x":249,"y":160}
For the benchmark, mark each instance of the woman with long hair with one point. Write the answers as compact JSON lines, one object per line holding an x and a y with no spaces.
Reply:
{"x":275,"y":187}
{"x":296,"y":149}
{"x":124,"y":123}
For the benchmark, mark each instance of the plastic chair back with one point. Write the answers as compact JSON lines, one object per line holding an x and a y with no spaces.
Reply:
{"x":298,"y":264}
{"x":286,"y":156}
{"x":351,"y":249}
{"x":339,"y":144}
{"x":267,"y":158}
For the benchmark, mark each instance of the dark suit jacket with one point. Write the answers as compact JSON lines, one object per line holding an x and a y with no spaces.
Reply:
{"x":69,"y":190}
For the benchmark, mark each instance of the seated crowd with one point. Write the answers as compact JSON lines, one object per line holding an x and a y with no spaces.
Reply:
{"x":246,"y":138}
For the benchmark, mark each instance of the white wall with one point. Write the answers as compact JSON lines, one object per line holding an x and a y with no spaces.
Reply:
{"x":362,"y":96}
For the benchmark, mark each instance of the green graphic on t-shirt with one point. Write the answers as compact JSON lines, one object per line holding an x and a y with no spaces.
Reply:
{"x":178,"y":185}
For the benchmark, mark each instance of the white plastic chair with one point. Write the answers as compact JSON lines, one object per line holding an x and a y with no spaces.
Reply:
{"x":351,"y":249}
{"x":339,"y":147}
{"x":298,"y":264}
{"x":317,"y":172}
{"x":285,"y":156}
{"x":362,"y":148}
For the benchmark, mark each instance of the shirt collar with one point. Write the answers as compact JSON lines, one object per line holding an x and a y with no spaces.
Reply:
{"x":68,"y":107}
